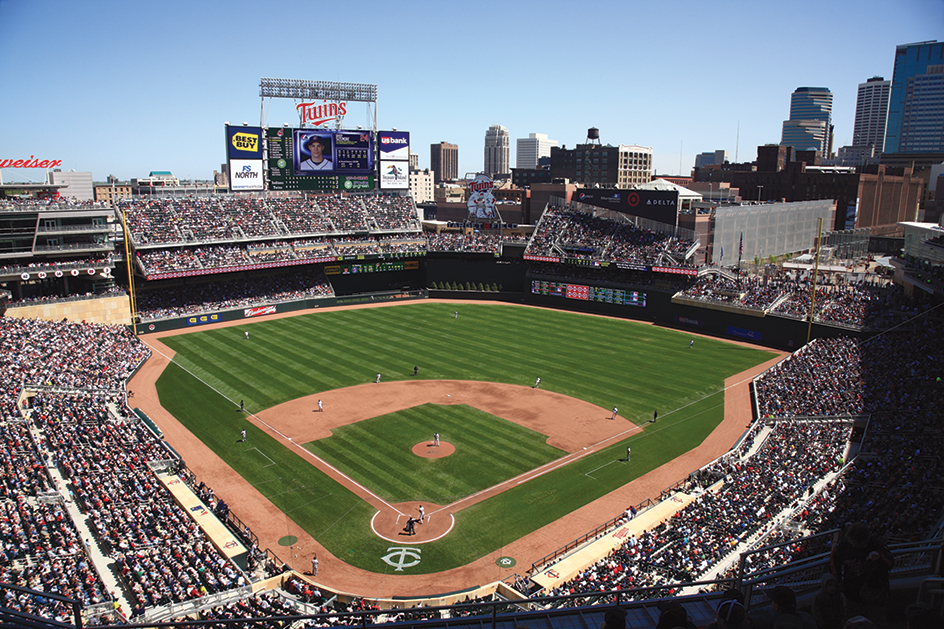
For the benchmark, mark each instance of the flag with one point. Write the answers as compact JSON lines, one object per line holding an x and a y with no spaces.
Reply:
{"x":741,"y":246}
{"x":722,"y":253}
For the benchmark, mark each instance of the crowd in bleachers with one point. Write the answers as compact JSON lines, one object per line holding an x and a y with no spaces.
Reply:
{"x":470,"y":243}
{"x":753,"y":492}
{"x":175,"y":301}
{"x":41,"y":547}
{"x":158,"y":549}
{"x":238,"y":218}
{"x":215,"y":257}
{"x":63,"y":203}
{"x":573,"y":234}
{"x":265,"y":605}
{"x":37,"y":352}
{"x":859,"y":304}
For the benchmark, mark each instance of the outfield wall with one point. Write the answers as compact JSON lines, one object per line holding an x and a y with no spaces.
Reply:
{"x":257,"y":312}
{"x":770,"y":331}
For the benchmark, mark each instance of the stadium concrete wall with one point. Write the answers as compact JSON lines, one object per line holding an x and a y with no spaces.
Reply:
{"x":114,"y":310}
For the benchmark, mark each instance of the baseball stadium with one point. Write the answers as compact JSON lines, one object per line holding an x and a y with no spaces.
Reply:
{"x":317,"y":408}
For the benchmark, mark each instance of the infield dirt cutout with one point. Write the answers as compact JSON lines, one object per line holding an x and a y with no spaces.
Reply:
{"x":570,"y":425}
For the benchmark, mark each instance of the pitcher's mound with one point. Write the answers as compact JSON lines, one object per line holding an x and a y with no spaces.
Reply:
{"x":427,"y":450}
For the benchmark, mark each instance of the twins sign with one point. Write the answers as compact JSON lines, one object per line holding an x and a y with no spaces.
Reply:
{"x":481,"y":200}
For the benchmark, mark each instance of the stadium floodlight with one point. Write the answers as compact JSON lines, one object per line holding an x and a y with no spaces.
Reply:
{"x":325,"y":90}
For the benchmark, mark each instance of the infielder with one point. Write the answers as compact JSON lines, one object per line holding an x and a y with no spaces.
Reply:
{"x":615,"y":411}
{"x":320,"y":407}
{"x":537,"y":383}
{"x":378,"y":378}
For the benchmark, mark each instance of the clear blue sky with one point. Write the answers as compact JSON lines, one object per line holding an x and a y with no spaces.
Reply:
{"x":125,"y":88}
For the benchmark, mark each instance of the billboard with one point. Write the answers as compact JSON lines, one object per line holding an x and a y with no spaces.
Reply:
{"x":320,"y":159}
{"x":245,"y":174}
{"x":481,"y":201}
{"x":394,"y":145}
{"x":244,"y":158}
{"x":394,"y":154}
{"x":656,"y":205}
{"x":394,"y":175}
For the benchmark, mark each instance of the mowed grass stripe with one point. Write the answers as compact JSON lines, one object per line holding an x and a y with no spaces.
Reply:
{"x":591,"y":358}
{"x":400,"y":475}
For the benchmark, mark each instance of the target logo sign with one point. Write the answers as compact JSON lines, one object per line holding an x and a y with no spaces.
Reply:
{"x":632,"y":199}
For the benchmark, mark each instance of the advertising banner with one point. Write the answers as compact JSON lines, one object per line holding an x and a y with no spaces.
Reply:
{"x":394,"y":145}
{"x":245,"y":174}
{"x":394,"y":175}
{"x":656,"y":205}
{"x":243,"y":142}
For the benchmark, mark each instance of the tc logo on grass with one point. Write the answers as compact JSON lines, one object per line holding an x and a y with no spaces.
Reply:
{"x":401,"y":557}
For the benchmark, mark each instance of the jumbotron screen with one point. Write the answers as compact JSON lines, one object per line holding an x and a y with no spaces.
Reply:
{"x":320,"y":159}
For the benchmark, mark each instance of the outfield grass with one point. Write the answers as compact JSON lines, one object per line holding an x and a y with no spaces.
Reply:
{"x":609,"y":362}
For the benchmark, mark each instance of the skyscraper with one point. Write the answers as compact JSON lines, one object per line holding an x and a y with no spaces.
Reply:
{"x":810,"y":124}
{"x":531,"y":149}
{"x":444,"y":161}
{"x":497,"y":146}
{"x":871,"y":113}
{"x":916,"y":103}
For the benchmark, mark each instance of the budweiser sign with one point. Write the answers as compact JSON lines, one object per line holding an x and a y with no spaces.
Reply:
{"x":316,"y":113}
{"x":30,"y":163}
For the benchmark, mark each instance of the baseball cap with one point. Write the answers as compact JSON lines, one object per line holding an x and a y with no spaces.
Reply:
{"x":324,"y":142}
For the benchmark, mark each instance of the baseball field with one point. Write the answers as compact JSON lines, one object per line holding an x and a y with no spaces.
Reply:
{"x":512,"y":459}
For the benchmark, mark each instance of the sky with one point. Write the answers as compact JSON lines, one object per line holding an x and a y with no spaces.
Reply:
{"x":126,"y":88}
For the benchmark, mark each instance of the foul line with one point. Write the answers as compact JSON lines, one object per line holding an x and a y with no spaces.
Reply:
{"x":308,"y":453}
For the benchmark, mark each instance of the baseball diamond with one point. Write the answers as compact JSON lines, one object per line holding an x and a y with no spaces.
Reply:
{"x":511,"y":476}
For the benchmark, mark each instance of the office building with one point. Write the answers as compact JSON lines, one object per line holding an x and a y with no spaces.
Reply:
{"x":916,"y":102}
{"x":421,"y":185}
{"x":715,"y":157}
{"x":871,"y":114}
{"x":810,"y":124}
{"x":497,"y":151}
{"x":531,"y":149}
{"x":606,"y":165}
{"x":444,"y":161}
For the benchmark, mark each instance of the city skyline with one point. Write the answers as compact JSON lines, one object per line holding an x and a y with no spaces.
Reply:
{"x":107,"y":92}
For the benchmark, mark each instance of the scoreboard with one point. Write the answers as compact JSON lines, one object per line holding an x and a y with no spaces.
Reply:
{"x":375,"y":266}
{"x":347,"y":159}
{"x":599,"y":294}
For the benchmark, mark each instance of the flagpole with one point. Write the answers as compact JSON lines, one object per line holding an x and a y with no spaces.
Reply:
{"x":740,"y":251}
